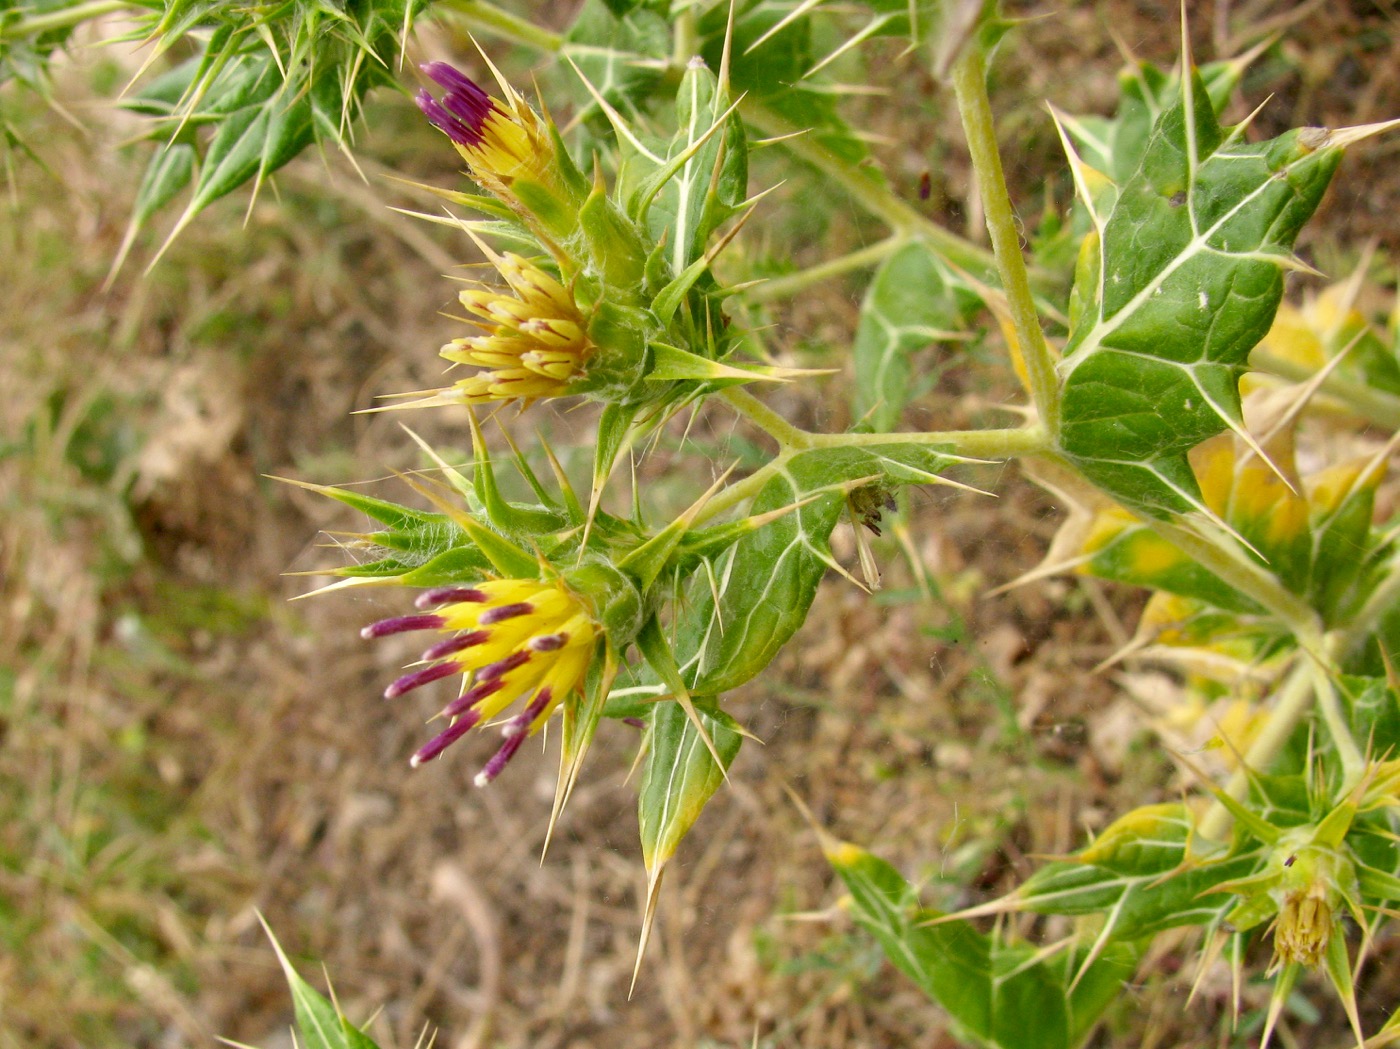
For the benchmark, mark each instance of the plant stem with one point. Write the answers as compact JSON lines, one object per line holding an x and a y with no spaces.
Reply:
{"x":1385,"y":597}
{"x":980,"y":444}
{"x":867,"y":191}
{"x":1293,"y":700}
{"x":782,"y":287}
{"x":970,"y":87}
{"x":64,"y":18}
{"x":765,"y":418}
{"x":1248,"y":579}
{"x":737,"y":492}
{"x":685,"y":36}
{"x":1375,"y":405}
{"x":1353,"y":764}
{"x":503,"y":23}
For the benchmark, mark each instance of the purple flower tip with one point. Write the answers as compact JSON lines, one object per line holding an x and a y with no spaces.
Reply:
{"x":453,"y":645}
{"x":464,"y":107}
{"x":471,"y":698}
{"x":399,"y":625}
{"x":449,"y":595}
{"x":549,"y":642}
{"x":444,"y":739}
{"x":419,"y":678}
{"x":502,"y":667}
{"x":498,"y":761}
{"x":450,"y":78}
{"x":501,"y":613}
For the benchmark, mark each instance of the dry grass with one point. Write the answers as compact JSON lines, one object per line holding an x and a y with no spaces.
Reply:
{"x":182,"y":746}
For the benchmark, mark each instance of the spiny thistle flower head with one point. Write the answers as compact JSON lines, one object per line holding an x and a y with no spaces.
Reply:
{"x":535,"y":342}
{"x":501,"y":140}
{"x":1308,"y":896}
{"x":1306,"y":883}
{"x":513,"y":640}
{"x":510,"y":149}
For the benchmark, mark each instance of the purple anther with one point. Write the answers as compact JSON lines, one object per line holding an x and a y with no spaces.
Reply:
{"x":549,"y":642}
{"x":498,"y":761}
{"x":502,"y":666}
{"x":445,"y":122}
{"x":418,"y":678}
{"x":634,"y":722}
{"x":399,"y":625}
{"x":445,"y":738}
{"x":501,"y":613}
{"x":450,"y":595}
{"x":453,"y":645}
{"x":471,"y":697}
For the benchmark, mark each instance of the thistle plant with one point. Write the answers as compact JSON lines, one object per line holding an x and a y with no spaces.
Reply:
{"x":1168,"y":391}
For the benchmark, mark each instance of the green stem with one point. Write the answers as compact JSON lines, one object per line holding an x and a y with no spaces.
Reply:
{"x":737,"y":492}
{"x":503,"y":23}
{"x":1294,"y":697}
{"x":783,"y":287}
{"x":1353,"y":764}
{"x":978,"y":444}
{"x":867,"y":191}
{"x":1375,"y":405}
{"x":65,"y":18}
{"x":765,"y":418}
{"x":1384,"y":598}
{"x":685,"y":36}
{"x":970,"y":87}
{"x":1250,"y":580}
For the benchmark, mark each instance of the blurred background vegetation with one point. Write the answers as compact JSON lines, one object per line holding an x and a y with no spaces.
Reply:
{"x":181,"y":744}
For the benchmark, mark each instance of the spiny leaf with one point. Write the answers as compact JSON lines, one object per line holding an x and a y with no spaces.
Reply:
{"x":1189,"y":275}
{"x":990,"y":988}
{"x":768,"y":579}
{"x":321,"y":1023}
{"x":681,"y":776}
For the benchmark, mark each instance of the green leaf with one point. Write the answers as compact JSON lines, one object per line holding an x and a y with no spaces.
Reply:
{"x":1116,"y":147}
{"x":255,"y":140}
{"x":620,"y":53}
{"x":1000,"y":995}
{"x":1139,"y":876}
{"x":707,"y":188}
{"x":1375,"y":712}
{"x":320,"y":1023}
{"x":168,"y":172}
{"x":914,"y":301}
{"x":681,"y":776}
{"x":1190,"y":274}
{"x":774,"y":73}
{"x":766,"y":582}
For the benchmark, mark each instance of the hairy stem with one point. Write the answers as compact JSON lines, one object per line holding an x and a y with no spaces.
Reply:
{"x":792,"y":283}
{"x":503,"y":23}
{"x":64,"y":18}
{"x":970,"y":87}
